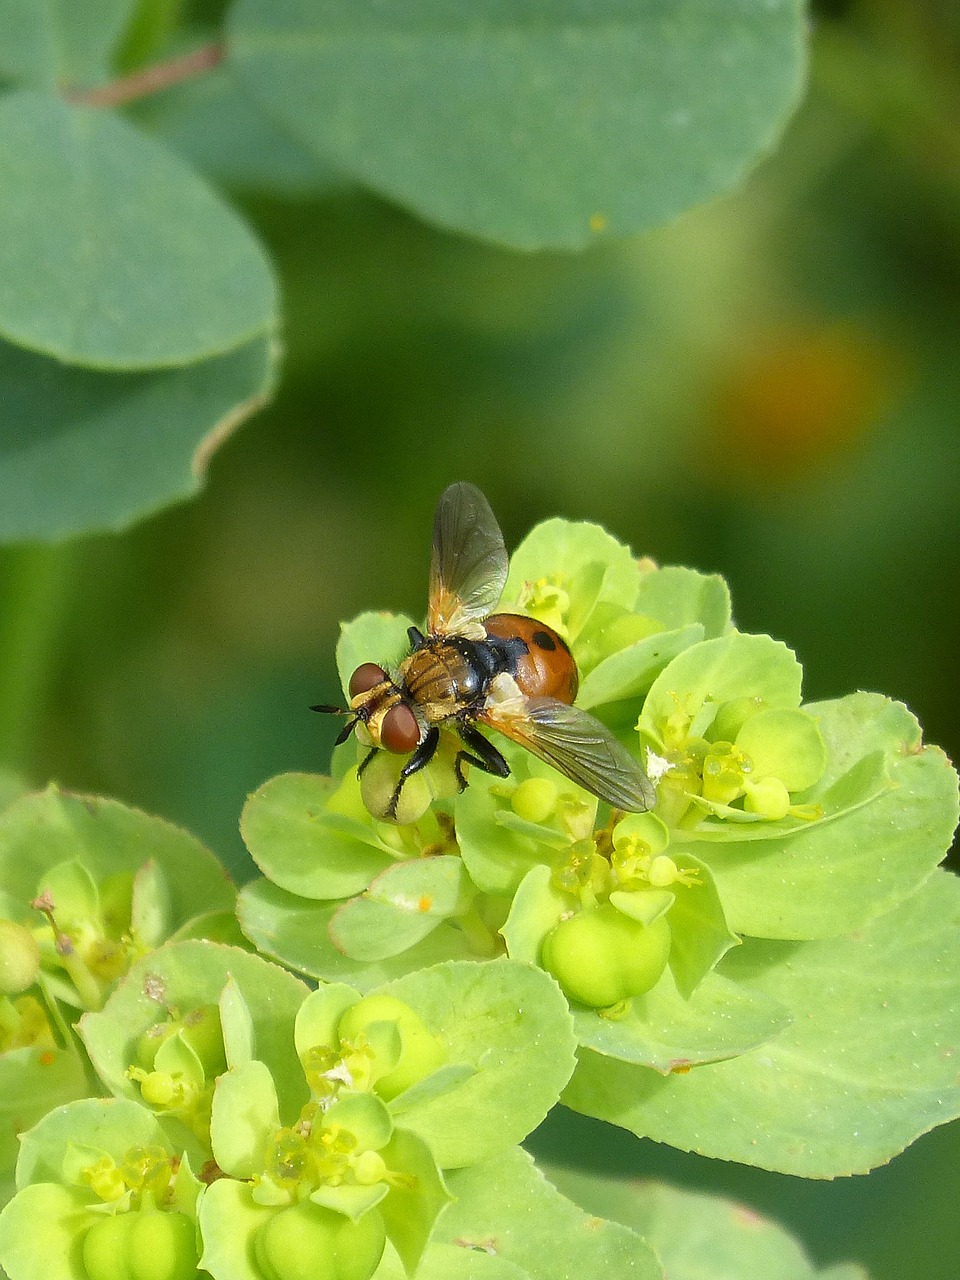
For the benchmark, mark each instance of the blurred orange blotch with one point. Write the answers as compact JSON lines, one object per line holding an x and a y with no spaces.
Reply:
{"x":425,"y":903}
{"x":47,"y":1058}
{"x":796,"y":399}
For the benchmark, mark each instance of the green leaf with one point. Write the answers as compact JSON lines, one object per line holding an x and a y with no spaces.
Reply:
{"x":678,"y":597}
{"x":631,"y":671}
{"x":583,"y":560}
{"x":410,"y":1212}
{"x":305,"y":847}
{"x":33,"y":1081}
{"x":319,"y":1016}
{"x":186,"y":976}
{"x":833,"y":875}
{"x":716,"y":671}
{"x":237,"y":1025}
{"x":696,"y":1237}
{"x":868,"y":1064}
{"x":110,"y":1125}
{"x":668,"y":1033}
{"x":699,"y":931}
{"x":82,"y":451}
{"x":12,"y":787}
{"x":559,"y":122}
{"x":371,"y":637}
{"x":511,"y":1023}
{"x":43,"y":829}
{"x":50,"y":1253}
{"x":245,"y":1117}
{"x":536,"y":907}
{"x":43,"y":42}
{"x":296,"y":931}
{"x":455,"y":1262}
{"x":220,"y":129}
{"x":401,"y":907}
{"x":229,"y":1220}
{"x":113,"y":254}
{"x":509,"y":1202}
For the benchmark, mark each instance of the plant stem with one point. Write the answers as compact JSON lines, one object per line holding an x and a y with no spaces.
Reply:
{"x":32,"y":585}
{"x":146,"y":80}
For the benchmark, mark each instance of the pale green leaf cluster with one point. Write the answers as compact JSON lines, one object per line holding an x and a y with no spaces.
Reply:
{"x":138,"y":310}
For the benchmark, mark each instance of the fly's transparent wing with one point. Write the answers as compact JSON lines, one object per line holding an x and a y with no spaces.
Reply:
{"x":469,"y":563}
{"x":577,"y":744}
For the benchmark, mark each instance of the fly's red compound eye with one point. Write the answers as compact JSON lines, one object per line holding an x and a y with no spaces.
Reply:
{"x":365,"y":678}
{"x":400,"y":731}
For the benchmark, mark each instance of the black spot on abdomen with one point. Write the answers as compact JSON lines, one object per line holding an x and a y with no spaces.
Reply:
{"x":543,"y":640}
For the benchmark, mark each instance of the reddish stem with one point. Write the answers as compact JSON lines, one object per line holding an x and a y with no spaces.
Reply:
{"x":152,"y":79}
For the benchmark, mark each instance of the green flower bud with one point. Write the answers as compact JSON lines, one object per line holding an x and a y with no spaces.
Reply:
{"x":19,"y":958}
{"x":535,"y":799}
{"x":309,"y":1242}
{"x":731,"y":717}
{"x":601,"y":957}
{"x":420,"y":1053}
{"x":768,"y":797}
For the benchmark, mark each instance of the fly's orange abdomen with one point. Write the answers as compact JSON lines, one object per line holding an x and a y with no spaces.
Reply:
{"x":547,"y":669}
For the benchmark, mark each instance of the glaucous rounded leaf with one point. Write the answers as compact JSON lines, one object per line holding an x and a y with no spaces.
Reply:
{"x":33,"y":1081}
{"x":669,"y":1033}
{"x":113,"y":254}
{"x":559,"y":122}
{"x":371,"y":637}
{"x":50,"y":42}
{"x":83,"y":450}
{"x":304,"y":846}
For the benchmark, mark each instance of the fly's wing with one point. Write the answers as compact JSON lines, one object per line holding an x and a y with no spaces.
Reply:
{"x":577,"y":744}
{"x":469,"y":563}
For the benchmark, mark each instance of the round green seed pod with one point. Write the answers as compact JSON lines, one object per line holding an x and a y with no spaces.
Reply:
{"x":378,"y":782}
{"x":601,"y":957}
{"x":535,"y":799}
{"x":162,"y":1246}
{"x":105,"y":1248}
{"x":307,"y":1241}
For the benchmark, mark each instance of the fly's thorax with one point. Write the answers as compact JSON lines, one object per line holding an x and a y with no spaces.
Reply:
{"x":442,"y":678}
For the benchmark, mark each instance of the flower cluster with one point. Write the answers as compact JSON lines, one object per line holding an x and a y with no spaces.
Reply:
{"x":690,"y":972}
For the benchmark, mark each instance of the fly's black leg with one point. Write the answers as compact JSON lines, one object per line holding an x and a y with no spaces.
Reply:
{"x":415,"y":636}
{"x":419,"y":760}
{"x":366,"y":759}
{"x":486,"y":756}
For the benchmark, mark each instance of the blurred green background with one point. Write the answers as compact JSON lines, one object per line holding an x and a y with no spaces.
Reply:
{"x":768,"y":388}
